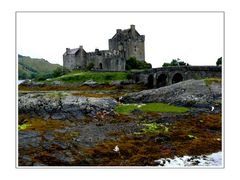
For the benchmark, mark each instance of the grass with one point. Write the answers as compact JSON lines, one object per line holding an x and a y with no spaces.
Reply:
{"x":149,"y":107}
{"x":100,"y":77}
{"x":57,"y":95}
{"x":155,"y":128}
{"x":209,"y":81}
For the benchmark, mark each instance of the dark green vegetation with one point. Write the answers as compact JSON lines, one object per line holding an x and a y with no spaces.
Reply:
{"x":133,"y":63}
{"x":175,"y":62}
{"x":149,"y":107}
{"x":29,"y":68}
{"x":60,"y":71}
{"x":219,"y":61}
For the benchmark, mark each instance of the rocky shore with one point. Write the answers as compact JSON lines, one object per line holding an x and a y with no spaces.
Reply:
{"x":62,"y":128}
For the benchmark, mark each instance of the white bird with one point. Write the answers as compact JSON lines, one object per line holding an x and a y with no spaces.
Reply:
{"x":212,"y":108}
{"x":116,"y":149}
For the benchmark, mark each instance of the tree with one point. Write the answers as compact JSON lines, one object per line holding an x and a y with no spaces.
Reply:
{"x":133,"y":63}
{"x":219,"y":61}
{"x":59,"y":71}
{"x":175,"y":62}
{"x":90,"y":66}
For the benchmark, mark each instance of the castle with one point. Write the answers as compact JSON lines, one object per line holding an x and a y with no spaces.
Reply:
{"x":123,"y":45}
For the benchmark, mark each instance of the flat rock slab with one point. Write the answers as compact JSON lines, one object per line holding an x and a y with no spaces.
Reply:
{"x":63,"y":106}
{"x":193,"y":93}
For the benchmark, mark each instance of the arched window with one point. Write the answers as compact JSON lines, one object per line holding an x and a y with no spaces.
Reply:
{"x":100,"y":66}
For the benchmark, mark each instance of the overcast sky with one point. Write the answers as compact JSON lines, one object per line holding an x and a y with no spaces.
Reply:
{"x":196,"y":38}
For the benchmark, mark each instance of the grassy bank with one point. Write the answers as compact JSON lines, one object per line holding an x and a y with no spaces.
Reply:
{"x":100,"y":77}
{"x":149,"y":107}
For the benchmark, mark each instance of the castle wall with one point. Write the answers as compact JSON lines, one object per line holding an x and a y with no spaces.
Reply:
{"x":69,"y":61}
{"x":106,"y":61}
{"x":136,"y":49}
{"x":81,"y":59}
{"x":133,"y":48}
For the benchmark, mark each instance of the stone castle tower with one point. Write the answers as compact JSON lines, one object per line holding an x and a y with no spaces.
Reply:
{"x":123,"y":45}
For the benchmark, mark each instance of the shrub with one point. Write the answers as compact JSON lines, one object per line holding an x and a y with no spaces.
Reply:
{"x":90,"y":66}
{"x":133,"y":63}
{"x":59,"y":71}
{"x":175,"y":62}
{"x":42,"y":77}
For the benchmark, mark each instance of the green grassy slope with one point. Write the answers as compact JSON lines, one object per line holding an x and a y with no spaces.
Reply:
{"x":32,"y":67}
{"x":100,"y":77}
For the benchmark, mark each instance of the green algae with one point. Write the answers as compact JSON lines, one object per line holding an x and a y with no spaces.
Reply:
{"x":149,"y":107}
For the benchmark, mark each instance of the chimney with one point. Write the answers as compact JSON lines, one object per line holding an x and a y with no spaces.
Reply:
{"x":119,"y":30}
{"x":133,"y":30}
{"x":67,"y":50}
{"x":132,"y":27}
{"x":80,"y":47}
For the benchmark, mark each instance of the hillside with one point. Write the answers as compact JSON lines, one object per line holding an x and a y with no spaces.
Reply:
{"x":29,"y":68}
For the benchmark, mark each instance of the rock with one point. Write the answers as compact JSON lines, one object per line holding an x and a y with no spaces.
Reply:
{"x":26,"y":160}
{"x":49,"y":136}
{"x":57,"y":83}
{"x":192,"y":93}
{"x":46,"y":145}
{"x":28,"y":139}
{"x":63,"y":158}
{"x":61,"y":144}
{"x":62,"y":106}
{"x":137,"y":112}
{"x":90,"y":83}
{"x":115,"y":83}
{"x":162,"y":139}
{"x":39,"y":164}
{"x":59,"y":115}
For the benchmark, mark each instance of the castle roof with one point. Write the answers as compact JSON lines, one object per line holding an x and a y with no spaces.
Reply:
{"x":125,"y":34}
{"x":71,"y":51}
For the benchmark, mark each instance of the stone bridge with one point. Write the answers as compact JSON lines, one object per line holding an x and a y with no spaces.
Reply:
{"x":158,"y":77}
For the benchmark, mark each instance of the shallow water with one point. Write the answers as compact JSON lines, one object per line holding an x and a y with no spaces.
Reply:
{"x":20,"y":81}
{"x":212,"y":160}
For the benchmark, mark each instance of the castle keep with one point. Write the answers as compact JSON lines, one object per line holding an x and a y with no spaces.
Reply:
{"x":123,"y":45}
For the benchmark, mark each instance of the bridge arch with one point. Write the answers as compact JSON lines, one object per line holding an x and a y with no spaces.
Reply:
{"x":177,"y":77}
{"x":161,"y":80}
{"x":150,"y":81}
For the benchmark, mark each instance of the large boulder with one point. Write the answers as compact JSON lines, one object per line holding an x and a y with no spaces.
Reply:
{"x":62,"y":106}
{"x":194,"y":93}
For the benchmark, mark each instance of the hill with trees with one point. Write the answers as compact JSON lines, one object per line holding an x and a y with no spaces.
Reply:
{"x":30,"y":68}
